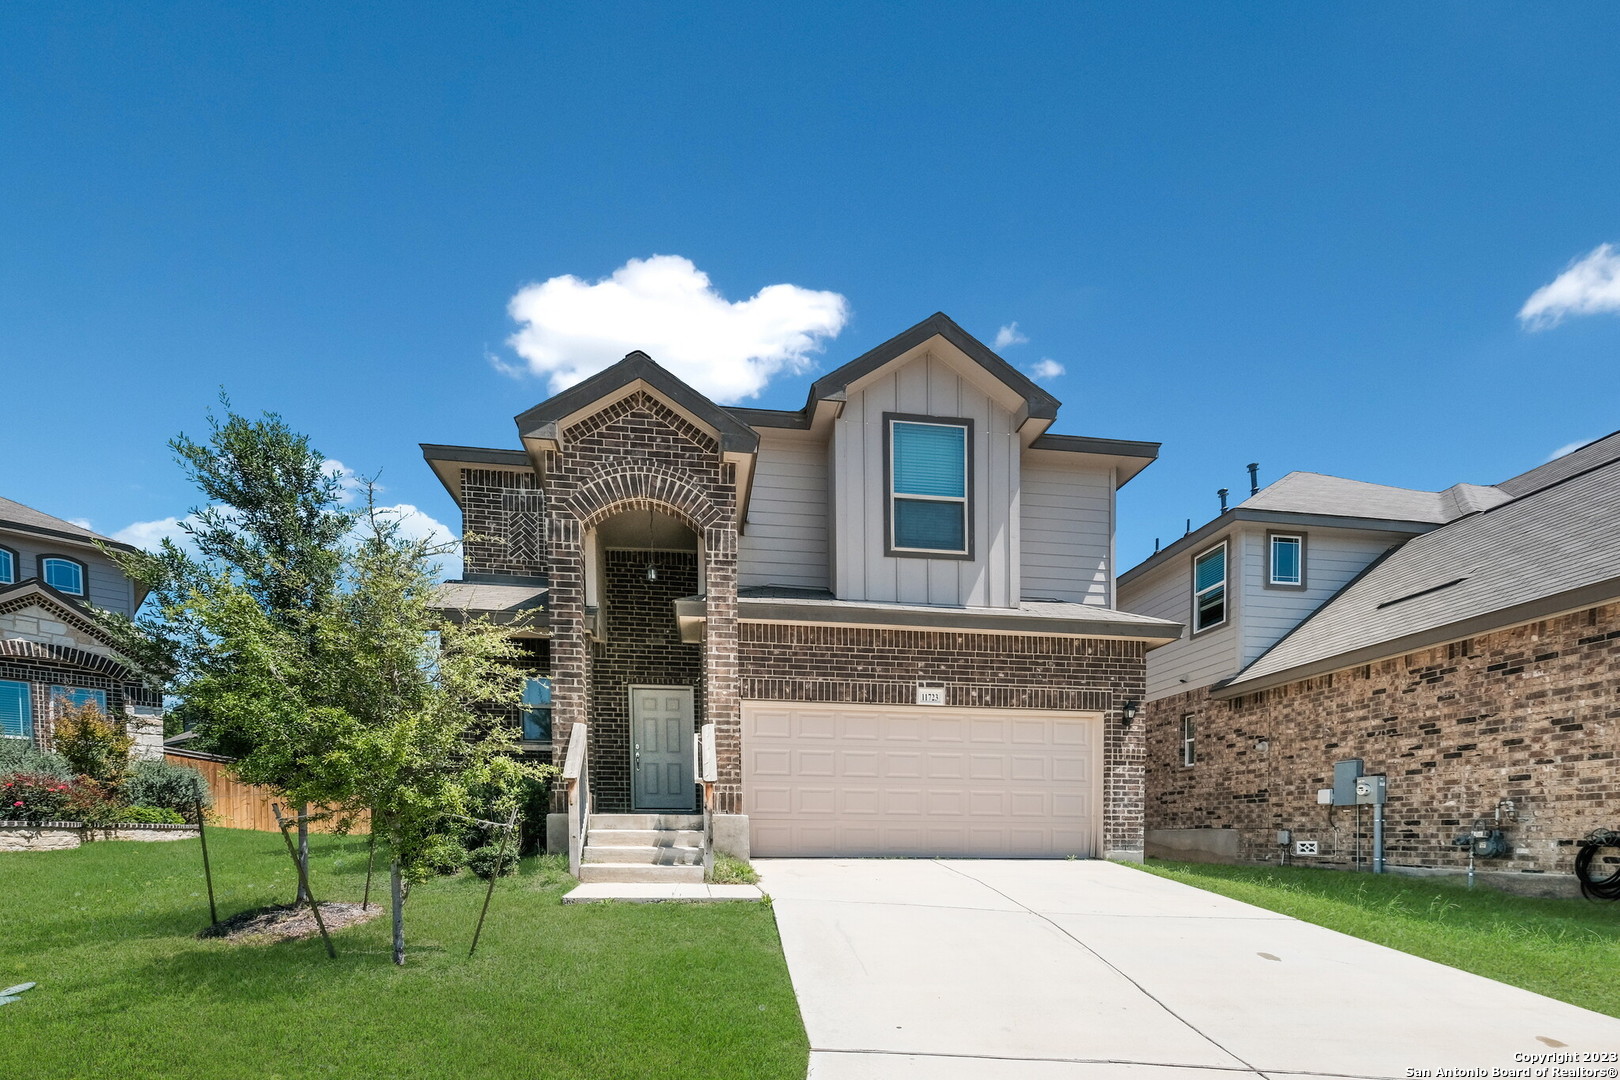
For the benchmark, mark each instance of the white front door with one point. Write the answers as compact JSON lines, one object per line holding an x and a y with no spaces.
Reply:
{"x":661,"y":726}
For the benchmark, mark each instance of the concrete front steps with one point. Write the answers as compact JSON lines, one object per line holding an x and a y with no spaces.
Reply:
{"x":653,"y":849}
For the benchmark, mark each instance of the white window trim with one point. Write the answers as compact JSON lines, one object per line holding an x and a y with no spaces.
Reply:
{"x":1189,"y":745}
{"x":1226,"y":594}
{"x":1271,"y":559}
{"x":965,"y":500}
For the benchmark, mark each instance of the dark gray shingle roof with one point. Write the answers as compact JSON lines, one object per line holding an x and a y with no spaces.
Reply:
{"x":15,"y":513}
{"x":1318,"y":493}
{"x":1489,"y":569}
{"x":1593,"y":453}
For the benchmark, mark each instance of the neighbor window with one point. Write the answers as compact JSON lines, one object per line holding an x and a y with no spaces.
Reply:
{"x":1189,"y":753}
{"x":536,"y":710}
{"x":928,"y":486}
{"x":64,"y":574}
{"x":77,"y":696}
{"x":16,"y":711}
{"x":1286,"y":562}
{"x":8,"y":566}
{"x":1209,"y":588}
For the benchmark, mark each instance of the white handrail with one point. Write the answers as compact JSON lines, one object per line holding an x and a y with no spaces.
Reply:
{"x":708,"y":773}
{"x":577,"y":783}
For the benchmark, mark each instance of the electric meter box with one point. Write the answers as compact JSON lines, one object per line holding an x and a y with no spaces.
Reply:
{"x":1345,"y":775}
{"x":1370,"y":790}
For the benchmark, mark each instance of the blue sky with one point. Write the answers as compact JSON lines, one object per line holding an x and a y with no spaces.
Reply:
{"x":1296,"y":234}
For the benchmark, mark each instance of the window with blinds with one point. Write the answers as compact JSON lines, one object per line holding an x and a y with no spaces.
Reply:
{"x":16,"y":711}
{"x":1209,"y":588}
{"x":928,"y":487}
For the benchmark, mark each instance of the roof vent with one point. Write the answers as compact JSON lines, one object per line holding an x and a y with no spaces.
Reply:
{"x":1254,"y":478}
{"x":1423,"y":592}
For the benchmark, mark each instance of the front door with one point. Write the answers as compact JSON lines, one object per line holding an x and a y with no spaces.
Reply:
{"x":661,"y":725}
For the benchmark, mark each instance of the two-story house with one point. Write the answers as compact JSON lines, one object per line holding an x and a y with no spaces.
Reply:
{"x":896,"y":604}
{"x":1461,"y":643}
{"x":51,"y":649}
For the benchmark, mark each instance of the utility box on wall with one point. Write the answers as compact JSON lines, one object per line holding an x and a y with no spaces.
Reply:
{"x":1345,"y":775}
{"x":1370,"y":790}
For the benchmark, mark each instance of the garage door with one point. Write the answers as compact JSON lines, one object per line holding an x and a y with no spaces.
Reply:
{"x":845,"y":780}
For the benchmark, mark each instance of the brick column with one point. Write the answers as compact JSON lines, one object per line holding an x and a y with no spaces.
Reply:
{"x":722,"y":689}
{"x":570,"y":690}
{"x":1124,"y":769}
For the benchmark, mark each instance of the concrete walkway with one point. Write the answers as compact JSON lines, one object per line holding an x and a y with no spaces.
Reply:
{"x":1086,"y":970}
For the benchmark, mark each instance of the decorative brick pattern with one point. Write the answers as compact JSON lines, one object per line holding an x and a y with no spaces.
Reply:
{"x":867,"y":666}
{"x":503,"y":513}
{"x":642,"y":648}
{"x":1529,"y":714}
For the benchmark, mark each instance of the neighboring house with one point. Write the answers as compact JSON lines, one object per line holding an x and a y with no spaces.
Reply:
{"x":807,"y":581}
{"x":1464,"y":643}
{"x":51,"y":649}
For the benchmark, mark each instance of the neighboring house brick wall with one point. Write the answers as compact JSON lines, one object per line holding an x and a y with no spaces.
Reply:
{"x":642,"y":648}
{"x":1529,"y":714}
{"x":780,"y":662}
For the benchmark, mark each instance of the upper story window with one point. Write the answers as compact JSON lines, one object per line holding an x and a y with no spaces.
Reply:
{"x":8,"y":566}
{"x":1285,"y":560}
{"x":1209,"y":588}
{"x":63,"y":573}
{"x":930,"y":486}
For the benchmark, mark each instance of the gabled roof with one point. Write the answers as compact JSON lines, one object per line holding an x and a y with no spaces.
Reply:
{"x":14,"y":515}
{"x":1549,"y":551}
{"x":71,"y":609}
{"x":540,"y":422}
{"x":1040,"y":404}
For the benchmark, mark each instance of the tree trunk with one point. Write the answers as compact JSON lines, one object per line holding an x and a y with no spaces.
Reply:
{"x":396,"y":891}
{"x":303,"y":852}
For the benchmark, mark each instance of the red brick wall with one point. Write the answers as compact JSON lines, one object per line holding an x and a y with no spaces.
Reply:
{"x":1529,"y":714}
{"x":867,"y":666}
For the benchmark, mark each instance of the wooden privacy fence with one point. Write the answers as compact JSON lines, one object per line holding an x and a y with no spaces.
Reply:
{"x":238,"y":805}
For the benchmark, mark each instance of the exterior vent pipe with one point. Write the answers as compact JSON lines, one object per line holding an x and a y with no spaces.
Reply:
{"x":1254,"y":478}
{"x":1222,"y":494}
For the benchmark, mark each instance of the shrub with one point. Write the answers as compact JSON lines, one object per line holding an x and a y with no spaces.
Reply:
{"x":148,"y":815}
{"x":92,"y":802}
{"x":444,"y":854}
{"x":161,"y":784}
{"x":22,"y":756}
{"x":35,"y":797}
{"x":481,"y":861}
{"x":93,"y":744}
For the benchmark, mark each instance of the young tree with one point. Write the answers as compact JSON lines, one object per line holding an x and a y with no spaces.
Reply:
{"x":377,"y":702}
{"x":271,"y":528}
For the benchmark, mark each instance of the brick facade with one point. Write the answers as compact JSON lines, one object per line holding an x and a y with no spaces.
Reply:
{"x":503,"y":515}
{"x":1529,"y":714}
{"x":870,"y":666}
{"x":642,"y":646}
{"x":638,"y":454}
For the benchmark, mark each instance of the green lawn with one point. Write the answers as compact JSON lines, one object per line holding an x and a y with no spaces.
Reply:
{"x":593,"y":991}
{"x":1566,"y":949}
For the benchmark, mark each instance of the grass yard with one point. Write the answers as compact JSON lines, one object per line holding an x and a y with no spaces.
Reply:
{"x":1565,"y":949}
{"x":593,"y":991}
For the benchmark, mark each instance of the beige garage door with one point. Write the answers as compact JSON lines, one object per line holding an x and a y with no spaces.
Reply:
{"x":847,"y":780}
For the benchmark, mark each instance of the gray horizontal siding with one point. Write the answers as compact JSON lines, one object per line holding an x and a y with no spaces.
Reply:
{"x":1166,"y":593}
{"x":106,"y":585}
{"x":1067,"y":533}
{"x":785,"y":542}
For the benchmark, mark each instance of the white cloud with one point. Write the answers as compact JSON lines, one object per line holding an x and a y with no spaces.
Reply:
{"x":1009,"y":335}
{"x":83,"y":523}
{"x":351,"y":485}
{"x":569,"y":329}
{"x":1589,"y":286}
{"x":148,"y":535}
{"x":1046,"y":368}
{"x":1568,"y":448}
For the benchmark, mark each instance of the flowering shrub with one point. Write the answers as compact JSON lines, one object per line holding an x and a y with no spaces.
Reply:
{"x":94,"y":745}
{"x":92,"y":802}
{"x":34,"y":797}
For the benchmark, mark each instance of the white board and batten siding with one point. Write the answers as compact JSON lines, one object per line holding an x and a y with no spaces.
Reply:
{"x":1332,"y":558}
{"x":1068,"y":532}
{"x":785,"y":542}
{"x":862,"y":571}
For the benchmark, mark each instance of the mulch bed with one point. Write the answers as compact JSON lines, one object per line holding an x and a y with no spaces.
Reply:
{"x":288,"y":922}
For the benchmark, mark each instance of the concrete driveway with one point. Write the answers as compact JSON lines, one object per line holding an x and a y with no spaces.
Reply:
{"x":1083,"y":970}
